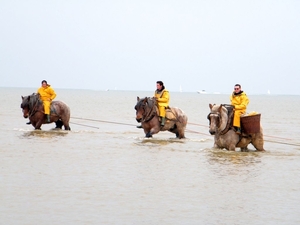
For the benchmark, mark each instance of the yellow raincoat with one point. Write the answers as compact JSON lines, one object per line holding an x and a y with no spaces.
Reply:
{"x":47,"y":95}
{"x":240,"y":102}
{"x":163,"y":99}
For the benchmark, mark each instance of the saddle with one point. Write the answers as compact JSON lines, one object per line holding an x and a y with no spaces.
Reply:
{"x":170,"y":115}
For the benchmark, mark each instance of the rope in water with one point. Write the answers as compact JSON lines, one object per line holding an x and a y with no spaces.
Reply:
{"x":188,"y":130}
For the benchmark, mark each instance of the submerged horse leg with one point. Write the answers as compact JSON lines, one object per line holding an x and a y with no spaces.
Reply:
{"x":180,"y":133}
{"x":67,"y":127}
{"x":153,"y":130}
{"x":65,"y":121}
{"x":148,"y":135}
{"x":37,"y":126}
{"x":58,"y":124}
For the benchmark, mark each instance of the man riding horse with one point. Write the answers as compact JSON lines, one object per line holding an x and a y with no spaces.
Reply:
{"x":47,"y":94}
{"x":239,"y":100}
{"x":162,"y":98}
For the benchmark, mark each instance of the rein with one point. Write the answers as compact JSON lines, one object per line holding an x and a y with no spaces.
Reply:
{"x":34,"y":108}
{"x":228,"y":124}
{"x":149,"y":114}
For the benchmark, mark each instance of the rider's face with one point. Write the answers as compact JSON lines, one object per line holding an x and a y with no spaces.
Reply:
{"x":158,"y":86}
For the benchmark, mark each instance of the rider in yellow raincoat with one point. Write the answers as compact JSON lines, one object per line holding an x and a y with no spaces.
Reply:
{"x":239,"y":100}
{"x":47,"y":94}
{"x":162,"y":96}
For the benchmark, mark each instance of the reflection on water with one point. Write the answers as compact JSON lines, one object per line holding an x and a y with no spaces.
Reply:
{"x":53,"y":133}
{"x":162,"y":141}
{"x":236,"y":164}
{"x":231,"y":157}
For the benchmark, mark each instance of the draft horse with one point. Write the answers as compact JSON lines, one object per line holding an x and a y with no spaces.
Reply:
{"x":220,"y":125}
{"x":33,"y":109}
{"x":148,"y":115}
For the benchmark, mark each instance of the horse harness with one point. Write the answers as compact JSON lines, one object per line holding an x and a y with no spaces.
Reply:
{"x":35,"y":107}
{"x":149,"y":114}
{"x":229,"y":121}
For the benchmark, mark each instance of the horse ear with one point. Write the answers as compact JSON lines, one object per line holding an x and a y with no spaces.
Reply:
{"x":210,"y":106}
{"x":138,"y":98}
{"x":145,"y":100}
{"x":22,"y":97}
{"x":220,"y":108}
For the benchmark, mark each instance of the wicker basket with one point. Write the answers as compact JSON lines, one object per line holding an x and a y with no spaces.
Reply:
{"x":250,"y":124}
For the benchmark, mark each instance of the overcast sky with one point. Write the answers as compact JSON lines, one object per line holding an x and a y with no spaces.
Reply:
{"x":129,"y":45}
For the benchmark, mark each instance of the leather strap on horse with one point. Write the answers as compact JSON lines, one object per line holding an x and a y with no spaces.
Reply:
{"x":176,"y":120}
{"x":229,"y":121}
{"x":149,"y":115}
{"x":33,"y":110}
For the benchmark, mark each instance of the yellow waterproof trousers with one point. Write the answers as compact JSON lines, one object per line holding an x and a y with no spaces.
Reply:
{"x":47,"y":107}
{"x":237,"y":117}
{"x":162,"y":111}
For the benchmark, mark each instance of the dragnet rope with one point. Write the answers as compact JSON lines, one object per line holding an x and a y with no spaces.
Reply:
{"x":188,"y":130}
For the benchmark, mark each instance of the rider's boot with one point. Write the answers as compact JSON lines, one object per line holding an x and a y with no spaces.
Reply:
{"x":140,"y":126}
{"x":48,"y":118}
{"x":162,"y":123}
{"x":238,"y":130}
{"x":29,"y":122}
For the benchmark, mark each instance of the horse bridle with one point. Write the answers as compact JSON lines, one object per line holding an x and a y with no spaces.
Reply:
{"x":34,"y":108}
{"x":228,"y":126}
{"x":147,"y":116}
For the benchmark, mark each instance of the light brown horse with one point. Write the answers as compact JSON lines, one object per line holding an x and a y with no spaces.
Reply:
{"x":220,"y":125}
{"x":147,"y":113}
{"x":33,"y":109}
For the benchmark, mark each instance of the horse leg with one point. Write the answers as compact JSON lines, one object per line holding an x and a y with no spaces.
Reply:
{"x":231,"y":147}
{"x":65,"y":121}
{"x":58,"y":124}
{"x":258,"y":144}
{"x":244,"y":149}
{"x":179,"y":131}
{"x":148,"y":135}
{"x":37,"y":126}
{"x":67,"y":127}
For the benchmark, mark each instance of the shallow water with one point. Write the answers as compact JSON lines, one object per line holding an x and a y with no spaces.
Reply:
{"x":105,"y":171}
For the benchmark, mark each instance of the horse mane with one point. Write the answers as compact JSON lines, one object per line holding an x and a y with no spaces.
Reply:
{"x":34,"y":99}
{"x":147,"y":100}
{"x":151,"y":102}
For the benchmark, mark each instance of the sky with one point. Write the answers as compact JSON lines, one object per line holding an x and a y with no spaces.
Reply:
{"x":129,"y":45}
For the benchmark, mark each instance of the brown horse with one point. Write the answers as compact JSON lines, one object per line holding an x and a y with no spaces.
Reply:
{"x":147,"y":113}
{"x":220,"y":124}
{"x":33,"y":109}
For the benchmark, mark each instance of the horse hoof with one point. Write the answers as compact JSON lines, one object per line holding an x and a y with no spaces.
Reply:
{"x":148,"y":135}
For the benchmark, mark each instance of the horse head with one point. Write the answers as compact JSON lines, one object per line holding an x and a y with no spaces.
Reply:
{"x":144,"y":108}
{"x":25,"y":106}
{"x":28,"y":103}
{"x":218,"y":118}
